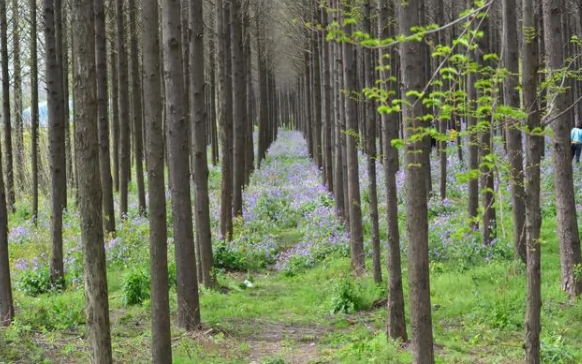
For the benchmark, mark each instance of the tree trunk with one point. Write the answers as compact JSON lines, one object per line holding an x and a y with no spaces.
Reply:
{"x":514,"y":147}
{"x":6,"y":106}
{"x":239,"y":103}
{"x":317,"y":105}
{"x":486,"y":172}
{"x":223,"y":120}
{"x":57,"y":144}
{"x":533,"y":218}
{"x":396,"y":325}
{"x":89,"y":183}
{"x":248,"y":127}
{"x":177,"y":134}
{"x":123,"y":98}
{"x":327,"y":100}
{"x":18,"y":96}
{"x":103,"y":115}
{"x":338,"y":175}
{"x":6,"y":302}
{"x":160,"y":304}
{"x":115,"y":109}
{"x":473,"y":148}
{"x":33,"y":108}
{"x":198,"y":121}
{"x":561,"y":158}
{"x":353,"y":177}
{"x":416,"y":203}
{"x":212,"y":103}
{"x":63,"y":53}
{"x":372,"y":155}
{"x":136,"y":107}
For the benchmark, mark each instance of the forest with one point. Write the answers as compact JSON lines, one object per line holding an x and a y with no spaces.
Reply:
{"x":290,"y":182}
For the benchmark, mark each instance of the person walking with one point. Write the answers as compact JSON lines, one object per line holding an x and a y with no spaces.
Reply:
{"x":576,"y":140}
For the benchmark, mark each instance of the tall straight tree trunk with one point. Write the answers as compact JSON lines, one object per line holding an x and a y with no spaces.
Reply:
{"x":177,"y":136}
{"x":123,"y":89}
{"x":473,"y":148}
{"x":198,"y":121}
{"x":442,"y":123}
{"x":6,"y":106}
{"x":223,"y":120}
{"x":160,"y":303}
{"x":353,"y":177}
{"x":533,"y":218}
{"x":487,"y":179}
{"x":372,"y":155}
{"x":416,"y":203}
{"x":18,"y":95}
{"x":87,"y":154}
{"x":338,"y":175}
{"x":514,"y":144}
{"x":263,"y":94}
{"x":115,"y":112}
{"x":396,"y":325}
{"x":239,"y":103}
{"x":561,"y":157}
{"x":57,"y":144}
{"x":327,"y":100}
{"x":103,"y":115}
{"x":6,"y":301}
{"x":136,"y":107}
{"x":317,"y":105}
{"x":33,"y":108}
{"x":249,"y":144}
{"x":212,"y":105}
{"x":64,"y":54}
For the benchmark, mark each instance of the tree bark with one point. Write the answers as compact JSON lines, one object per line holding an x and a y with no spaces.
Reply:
{"x":123,"y":98}
{"x":514,"y":144}
{"x":489,"y":227}
{"x":396,"y":325}
{"x":136,"y":107}
{"x":89,"y":182}
{"x":198,"y":121}
{"x":114,"y":107}
{"x":103,"y":115}
{"x":179,"y":150}
{"x":6,"y":107}
{"x":561,"y":157}
{"x":160,"y":303}
{"x":18,"y":96}
{"x":239,"y":103}
{"x":34,"y":108}
{"x":353,"y":177}
{"x":57,"y":145}
{"x":416,"y":174}
{"x":372,"y":155}
{"x":473,"y":147}
{"x":532,"y":188}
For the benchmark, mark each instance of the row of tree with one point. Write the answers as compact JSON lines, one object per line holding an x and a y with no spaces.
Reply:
{"x":155,"y":85}
{"x":426,"y":73}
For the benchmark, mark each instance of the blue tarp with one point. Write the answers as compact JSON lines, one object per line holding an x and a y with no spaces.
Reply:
{"x":42,"y":114}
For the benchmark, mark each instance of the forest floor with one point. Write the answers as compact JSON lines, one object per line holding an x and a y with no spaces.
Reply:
{"x":285,"y":293}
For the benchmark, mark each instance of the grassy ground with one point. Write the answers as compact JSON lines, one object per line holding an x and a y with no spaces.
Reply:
{"x":313,"y":313}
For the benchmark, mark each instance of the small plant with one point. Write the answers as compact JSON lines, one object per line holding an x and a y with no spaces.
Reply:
{"x":226,"y":258}
{"x":136,"y":288}
{"x":346,"y":297}
{"x":35,"y":281}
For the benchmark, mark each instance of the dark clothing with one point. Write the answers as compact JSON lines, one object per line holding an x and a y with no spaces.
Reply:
{"x":576,"y":150}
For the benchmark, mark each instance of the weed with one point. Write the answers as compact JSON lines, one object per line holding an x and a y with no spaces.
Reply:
{"x":136,"y":288}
